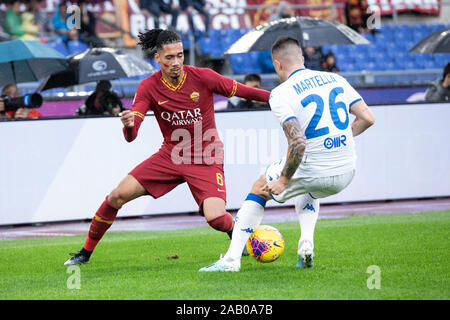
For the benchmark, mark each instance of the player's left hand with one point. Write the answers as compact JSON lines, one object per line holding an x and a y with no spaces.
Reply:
{"x":276,"y":186}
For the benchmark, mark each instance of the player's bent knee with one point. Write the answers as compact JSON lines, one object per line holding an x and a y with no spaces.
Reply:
{"x":222,"y":223}
{"x":117,"y":198}
{"x":257,"y":188}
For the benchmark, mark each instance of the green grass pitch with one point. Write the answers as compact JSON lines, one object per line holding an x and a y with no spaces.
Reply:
{"x":411,"y":251}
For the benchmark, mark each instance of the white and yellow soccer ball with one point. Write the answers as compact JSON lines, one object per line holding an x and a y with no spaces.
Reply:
{"x":266,"y":244}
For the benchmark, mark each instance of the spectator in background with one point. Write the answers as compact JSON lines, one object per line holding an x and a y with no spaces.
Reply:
{"x":252,"y":80}
{"x":439,"y":90}
{"x":313,"y":58}
{"x":156,"y":7}
{"x":356,"y":14}
{"x":12,"y":22}
{"x":60,"y":26}
{"x":40,"y":18}
{"x":284,"y":10}
{"x":196,"y":5}
{"x":96,"y":103}
{"x":30,"y":28}
{"x":87,"y":32}
{"x":11,"y":91}
{"x":329,"y":63}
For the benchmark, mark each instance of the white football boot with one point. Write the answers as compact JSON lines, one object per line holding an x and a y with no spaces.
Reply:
{"x":222,"y":266}
{"x":305,"y":255}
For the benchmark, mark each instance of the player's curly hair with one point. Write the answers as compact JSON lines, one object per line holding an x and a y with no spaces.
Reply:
{"x":155,"y":39}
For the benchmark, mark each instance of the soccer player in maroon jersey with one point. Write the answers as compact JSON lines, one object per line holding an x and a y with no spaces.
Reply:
{"x":181,"y":98}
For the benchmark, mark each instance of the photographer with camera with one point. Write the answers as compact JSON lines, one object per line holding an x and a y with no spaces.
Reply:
{"x":13,"y":105}
{"x":103,"y":101}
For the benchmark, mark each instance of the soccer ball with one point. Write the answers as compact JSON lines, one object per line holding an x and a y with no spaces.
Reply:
{"x":266,"y":244}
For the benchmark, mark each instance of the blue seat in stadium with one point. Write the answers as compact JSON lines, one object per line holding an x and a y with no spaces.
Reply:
{"x":441,"y":59}
{"x":386,"y":65}
{"x":419,"y":35}
{"x":380,"y":38}
{"x":369,"y":36}
{"x":211,"y":46}
{"x":400,"y":64}
{"x":76,"y":46}
{"x":241,"y":63}
{"x":227,"y":42}
{"x":386,"y":28}
{"x":390,"y":46}
{"x":403,"y":35}
{"x":59,"y":46}
{"x":435,"y":27}
{"x":327,"y":49}
{"x":369,"y":66}
{"x":429,"y":64}
{"x":185,"y":39}
{"x":379,"y":56}
{"x":407,"y":45}
{"x":351,"y":67}
{"x":402,"y":27}
{"x":420,"y":27}
{"x":419,"y":64}
{"x":360,"y":48}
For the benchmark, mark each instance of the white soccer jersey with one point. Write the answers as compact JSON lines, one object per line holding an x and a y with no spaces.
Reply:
{"x":321,"y":102}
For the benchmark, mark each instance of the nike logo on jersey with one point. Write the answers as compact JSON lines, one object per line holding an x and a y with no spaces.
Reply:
{"x":162,"y":102}
{"x":248,"y":230}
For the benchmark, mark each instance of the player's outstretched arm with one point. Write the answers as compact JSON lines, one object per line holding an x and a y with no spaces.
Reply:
{"x":364,"y":117}
{"x":228,"y":87}
{"x":250,"y":93}
{"x":296,"y":149}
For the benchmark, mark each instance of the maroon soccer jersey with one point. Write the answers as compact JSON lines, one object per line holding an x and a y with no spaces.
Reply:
{"x":187,"y":110}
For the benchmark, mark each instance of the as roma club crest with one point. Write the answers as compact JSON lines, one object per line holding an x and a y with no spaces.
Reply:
{"x":195,"y":96}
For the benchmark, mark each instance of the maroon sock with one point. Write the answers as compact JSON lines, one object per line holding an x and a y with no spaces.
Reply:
{"x":103,"y":219}
{"x":222,"y":223}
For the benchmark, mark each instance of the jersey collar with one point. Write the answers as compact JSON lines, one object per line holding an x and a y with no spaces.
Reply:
{"x":180,"y":84}
{"x":296,"y":72}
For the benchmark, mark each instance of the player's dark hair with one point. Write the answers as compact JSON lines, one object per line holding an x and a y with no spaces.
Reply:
{"x":446,"y":71}
{"x":155,"y":39}
{"x":284,"y":41}
{"x":252,"y":77}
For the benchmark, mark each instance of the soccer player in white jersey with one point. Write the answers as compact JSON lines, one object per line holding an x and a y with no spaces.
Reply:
{"x":313,"y":108}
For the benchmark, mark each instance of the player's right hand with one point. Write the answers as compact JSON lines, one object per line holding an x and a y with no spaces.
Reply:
{"x":127,"y":118}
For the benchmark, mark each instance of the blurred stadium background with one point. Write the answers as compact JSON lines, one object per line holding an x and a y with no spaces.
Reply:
{"x":384,"y":71}
{"x":47,"y":154}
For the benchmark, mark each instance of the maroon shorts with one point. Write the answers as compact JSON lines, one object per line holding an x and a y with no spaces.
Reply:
{"x":159,"y":175}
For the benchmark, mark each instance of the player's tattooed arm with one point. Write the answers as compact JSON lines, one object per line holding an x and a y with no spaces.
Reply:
{"x":296,"y":147}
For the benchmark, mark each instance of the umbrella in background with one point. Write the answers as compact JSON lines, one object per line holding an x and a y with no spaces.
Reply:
{"x":310,"y":32}
{"x":27,"y":61}
{"x":437,"y":42}
{"x":97,"y":64}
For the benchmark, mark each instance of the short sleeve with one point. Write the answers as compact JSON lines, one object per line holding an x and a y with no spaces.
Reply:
{"x":351,"y":96}
{"x":280,"y":107}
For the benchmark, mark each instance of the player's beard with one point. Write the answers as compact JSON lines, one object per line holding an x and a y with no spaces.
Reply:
{"x":176,"y":74}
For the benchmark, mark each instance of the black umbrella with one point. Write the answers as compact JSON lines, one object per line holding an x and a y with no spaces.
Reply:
{"x":437,"y":42}
{"x":97,"y":64}
{"x":310,"y":32}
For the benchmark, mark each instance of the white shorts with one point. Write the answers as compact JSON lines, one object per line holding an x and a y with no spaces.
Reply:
{"x":317,"y":187}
